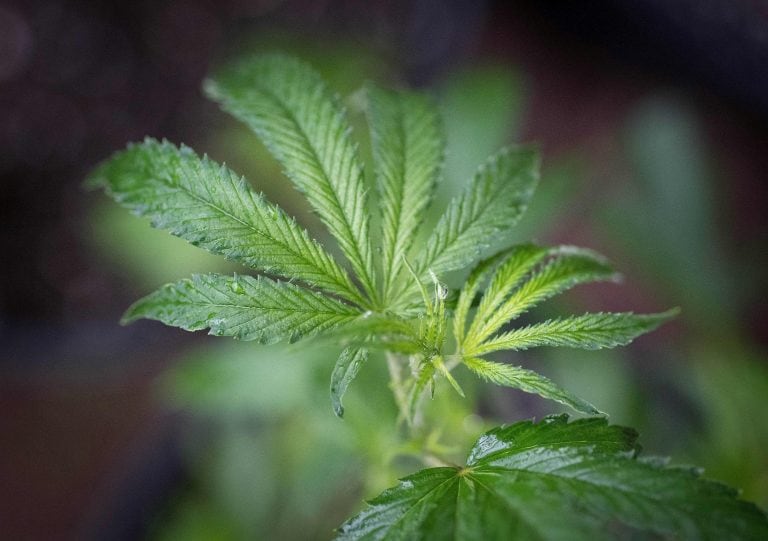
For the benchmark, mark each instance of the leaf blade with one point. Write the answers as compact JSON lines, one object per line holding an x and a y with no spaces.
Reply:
{"x":570,"y":267}
{"x":491,"y":205}
{"x":588,"y":331}
{"x":344,"y":372}
{"x":515,"y":264}
{"x":528,"y":381}
{"x":468,"y":293}
{"x":408,"y":149}
{"x":210,"y":206}
{"x":243,"y":307}
{"x":288,"y":105}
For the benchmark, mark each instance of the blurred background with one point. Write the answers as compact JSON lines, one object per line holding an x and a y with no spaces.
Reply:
{"x":653,"y":120}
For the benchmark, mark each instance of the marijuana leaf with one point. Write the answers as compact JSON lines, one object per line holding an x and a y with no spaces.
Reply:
{"x":290,"y":108}
{"x":482,"y":214}
{"x":408,"y":150}
{"x":528,"y":381}
{"x":590,"y":331}
{"x":520,"y":278}
{"x":509,"y":294}
{"x":556,"y":480}
{"x":302,"y":123}
{"x":245,"y":307}
{"x":214,"y":208}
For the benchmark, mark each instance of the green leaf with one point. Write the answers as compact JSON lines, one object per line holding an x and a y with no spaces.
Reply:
{"x":554,"y":481}
{"x":244,"y":307}
{"x":303,"y":125}
{"x":516,"y":263}
{"x":528,"y":381}
{"x":408,"y":148}
{"x":212,"y":207}
{"x":589,"y":331}
{"x":468,"y":293}
{"x":570,"y":266}
{"x":483,"y":213}
{"x":346,"y":369}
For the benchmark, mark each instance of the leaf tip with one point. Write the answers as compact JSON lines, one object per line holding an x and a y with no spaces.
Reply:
{"x":129,"y":316}
{"x":338,"y":410}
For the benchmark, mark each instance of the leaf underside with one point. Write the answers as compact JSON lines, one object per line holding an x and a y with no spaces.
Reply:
{"x":556,"y":480}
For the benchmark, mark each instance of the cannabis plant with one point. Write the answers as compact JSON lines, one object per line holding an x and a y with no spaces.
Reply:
{"x":552,"y":479}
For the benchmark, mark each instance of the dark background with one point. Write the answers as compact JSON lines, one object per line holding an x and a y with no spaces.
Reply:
{"x":79,"y":80}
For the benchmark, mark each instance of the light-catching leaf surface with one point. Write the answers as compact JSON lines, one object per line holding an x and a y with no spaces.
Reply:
{"x":408,"y":153}
{"x":512,"y":293}
{"x":468,"y":293}
{"x":244,"y":307}
{"x":303,"y":125}
{"x":589,"y":331}
{"x":554,"y":481}
{"x":214,"y":208}
{"x":528,"y":381}
{"x":488,"y":208}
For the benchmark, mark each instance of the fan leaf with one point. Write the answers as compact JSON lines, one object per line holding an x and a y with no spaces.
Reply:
{"x":469,"y":292}
{"x":515,"y":264}
{"x":570,"y":267}
{"x":557,"y":481}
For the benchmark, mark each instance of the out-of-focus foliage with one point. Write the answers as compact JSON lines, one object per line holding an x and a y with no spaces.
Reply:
{"x":482,"y":108}
{"x":115,"y":234}
{"x":264,"y":455}
{"x":672,"y":199}
{"x":674,"y":195}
